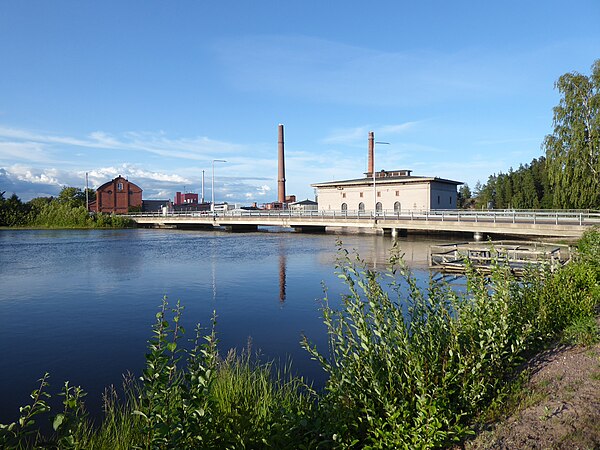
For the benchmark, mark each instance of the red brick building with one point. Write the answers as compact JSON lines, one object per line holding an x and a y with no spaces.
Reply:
{"x":117,"y":196}
{"x":185,"y":198}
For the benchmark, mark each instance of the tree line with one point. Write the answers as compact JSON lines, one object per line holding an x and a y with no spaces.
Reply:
{"x":568,"y":176}
{"x":67,"y":210}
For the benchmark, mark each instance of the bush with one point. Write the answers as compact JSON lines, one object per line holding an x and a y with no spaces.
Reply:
{"x":410,"y":369}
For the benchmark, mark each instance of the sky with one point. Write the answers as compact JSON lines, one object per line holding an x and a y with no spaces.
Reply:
{"x":157,"y":90}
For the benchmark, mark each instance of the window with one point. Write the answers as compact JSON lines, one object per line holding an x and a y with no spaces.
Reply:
{"x":361,"y":195}
{"x":343,"y":195}
{"x":361,"y":206}
{"x":378,"y":206}
{"x":119,"y":186}
{"x":397,"y":207}
{"x":450,"y":198}
{"x":344,"y":207}
{"x":397,"y":193}
{"x":379,"y":194}
{"x":438,"y":199}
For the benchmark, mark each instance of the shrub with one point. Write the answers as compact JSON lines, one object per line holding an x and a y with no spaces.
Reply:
{"x":411,"y":369}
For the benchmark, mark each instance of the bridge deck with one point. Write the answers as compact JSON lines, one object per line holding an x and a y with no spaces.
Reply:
{"x":525,"y":223}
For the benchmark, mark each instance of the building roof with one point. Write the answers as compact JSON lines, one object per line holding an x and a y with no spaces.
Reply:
{"x":305,"y":202}
{"x":368,"y":181}
{"x":108,"y":183}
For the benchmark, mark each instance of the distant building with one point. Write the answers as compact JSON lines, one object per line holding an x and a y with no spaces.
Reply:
{"x":118,"y":196}
{"x":155,"y":205}
{"x":395,"y":190}
{"x":281,"y":205}
{"x":304,"y":205}
{"x":185,"y":198}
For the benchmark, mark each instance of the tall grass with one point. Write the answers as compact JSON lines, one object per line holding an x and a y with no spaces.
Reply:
{"x":408,"y":368}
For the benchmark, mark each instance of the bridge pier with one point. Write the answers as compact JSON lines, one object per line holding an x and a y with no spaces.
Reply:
{"x":399,"y":232}
{"x":241,"y":228}
{"x":309,"y":229}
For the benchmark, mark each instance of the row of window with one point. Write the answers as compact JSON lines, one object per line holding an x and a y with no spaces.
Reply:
{"x":378,"y":206}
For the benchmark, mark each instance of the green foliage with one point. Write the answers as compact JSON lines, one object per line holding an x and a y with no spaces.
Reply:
{"x":13,"y":213}
{"x":525,"y":188}
{"x":65,"y":211}
{"x":71,"y":196}
{"x":589,"y":245}
{"x":18,"y":434}
{"x":582,"y":331}
{"x":412,"y":369}
{"x":573,"y":149}
{"x":193,"y":399}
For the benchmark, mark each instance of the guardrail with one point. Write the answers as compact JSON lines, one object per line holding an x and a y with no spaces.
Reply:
{"x":572,"y":217}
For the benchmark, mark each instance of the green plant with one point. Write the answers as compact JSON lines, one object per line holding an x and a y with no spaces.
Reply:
{"x":21,"y":433}
{"x":582,"y":331}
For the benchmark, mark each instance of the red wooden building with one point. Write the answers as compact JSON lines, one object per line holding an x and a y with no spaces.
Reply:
{"x":118,"y":196}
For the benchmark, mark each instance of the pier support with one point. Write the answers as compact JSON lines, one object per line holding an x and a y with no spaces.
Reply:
{"x":309,"y":229}
{"x":241,"y":228}
{"x":399,"y":232}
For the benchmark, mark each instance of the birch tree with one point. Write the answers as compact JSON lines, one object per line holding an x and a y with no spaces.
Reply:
{"x":573,"y":150}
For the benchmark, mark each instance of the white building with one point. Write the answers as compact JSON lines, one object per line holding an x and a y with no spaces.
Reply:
{"x":394,"y":191}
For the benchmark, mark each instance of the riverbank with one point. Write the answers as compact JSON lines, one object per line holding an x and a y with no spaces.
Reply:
{"x":557,"y":406}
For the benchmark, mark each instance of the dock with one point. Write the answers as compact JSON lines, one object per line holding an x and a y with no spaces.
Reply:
{"x":518,"y":255}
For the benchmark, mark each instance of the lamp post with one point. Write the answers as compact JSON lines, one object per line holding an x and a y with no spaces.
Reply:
{"x":374,"y":186}
{"x":212,"y":205}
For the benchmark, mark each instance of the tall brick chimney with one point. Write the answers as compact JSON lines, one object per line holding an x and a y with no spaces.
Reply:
{"x":371,"y":162}
{"x":281,"y":173}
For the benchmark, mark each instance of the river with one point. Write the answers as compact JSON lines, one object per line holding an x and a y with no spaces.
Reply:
{"x":79,"y":304}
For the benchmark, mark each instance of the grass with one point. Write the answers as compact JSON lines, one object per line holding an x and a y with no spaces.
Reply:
{"x":408,"y":368}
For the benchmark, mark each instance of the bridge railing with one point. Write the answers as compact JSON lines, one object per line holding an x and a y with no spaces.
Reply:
{"x":571,"y":217}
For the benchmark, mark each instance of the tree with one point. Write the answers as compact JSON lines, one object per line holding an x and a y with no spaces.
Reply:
{"x":464,"y":196}
{"x":71,"y":196}
{"x":573,"y":150}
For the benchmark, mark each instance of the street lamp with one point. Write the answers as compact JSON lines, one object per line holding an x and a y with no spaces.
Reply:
{"x":212,"y":205}
{"x":374,"y":188}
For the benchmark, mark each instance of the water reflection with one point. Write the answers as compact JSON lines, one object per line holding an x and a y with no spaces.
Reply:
{"x":282,"y":274}
{"x":80,"y":303}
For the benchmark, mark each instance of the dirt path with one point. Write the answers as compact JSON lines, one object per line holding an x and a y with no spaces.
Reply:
{"x":560,"y":408}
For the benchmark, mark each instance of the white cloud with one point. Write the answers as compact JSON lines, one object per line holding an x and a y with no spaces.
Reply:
{"x":23,"y":151}
{"x":198,"y":148}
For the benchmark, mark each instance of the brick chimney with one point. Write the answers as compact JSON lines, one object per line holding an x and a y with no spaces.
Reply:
{"x":371,"y":162}
{"x":281,"y":172}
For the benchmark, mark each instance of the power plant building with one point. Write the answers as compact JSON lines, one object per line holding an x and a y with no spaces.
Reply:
{"x":394,"y":191}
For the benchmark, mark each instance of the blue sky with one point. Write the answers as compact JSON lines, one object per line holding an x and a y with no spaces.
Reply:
{"x":155,"y":90}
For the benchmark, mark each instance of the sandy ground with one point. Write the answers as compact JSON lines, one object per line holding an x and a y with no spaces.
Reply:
{"x":560,"y":407}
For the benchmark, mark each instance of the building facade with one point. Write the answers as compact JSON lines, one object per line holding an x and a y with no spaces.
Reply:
{"x":118,"y":196}
{"x":393,"y":191}
{"x":185,"y":198}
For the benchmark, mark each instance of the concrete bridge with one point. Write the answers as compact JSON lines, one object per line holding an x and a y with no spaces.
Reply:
{"x":555,"y":223}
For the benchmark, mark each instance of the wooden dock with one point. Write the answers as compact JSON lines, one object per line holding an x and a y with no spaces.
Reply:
{"x":518,"y":255}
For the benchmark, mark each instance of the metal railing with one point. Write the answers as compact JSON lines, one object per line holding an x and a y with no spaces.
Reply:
{"x":556,"y":217}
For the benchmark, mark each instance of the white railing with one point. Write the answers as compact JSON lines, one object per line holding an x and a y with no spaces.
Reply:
{"x":556,"y":217}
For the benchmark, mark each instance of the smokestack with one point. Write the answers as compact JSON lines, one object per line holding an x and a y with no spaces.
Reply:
{"x":371,"y":162}
{"x":202,"y":198}
{"x":281,"y":173}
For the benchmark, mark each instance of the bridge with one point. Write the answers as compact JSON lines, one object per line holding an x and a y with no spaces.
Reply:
{"x":551,"y":223}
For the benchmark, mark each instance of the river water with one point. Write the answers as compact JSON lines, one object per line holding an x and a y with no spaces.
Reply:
{"x":80,"y":303}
